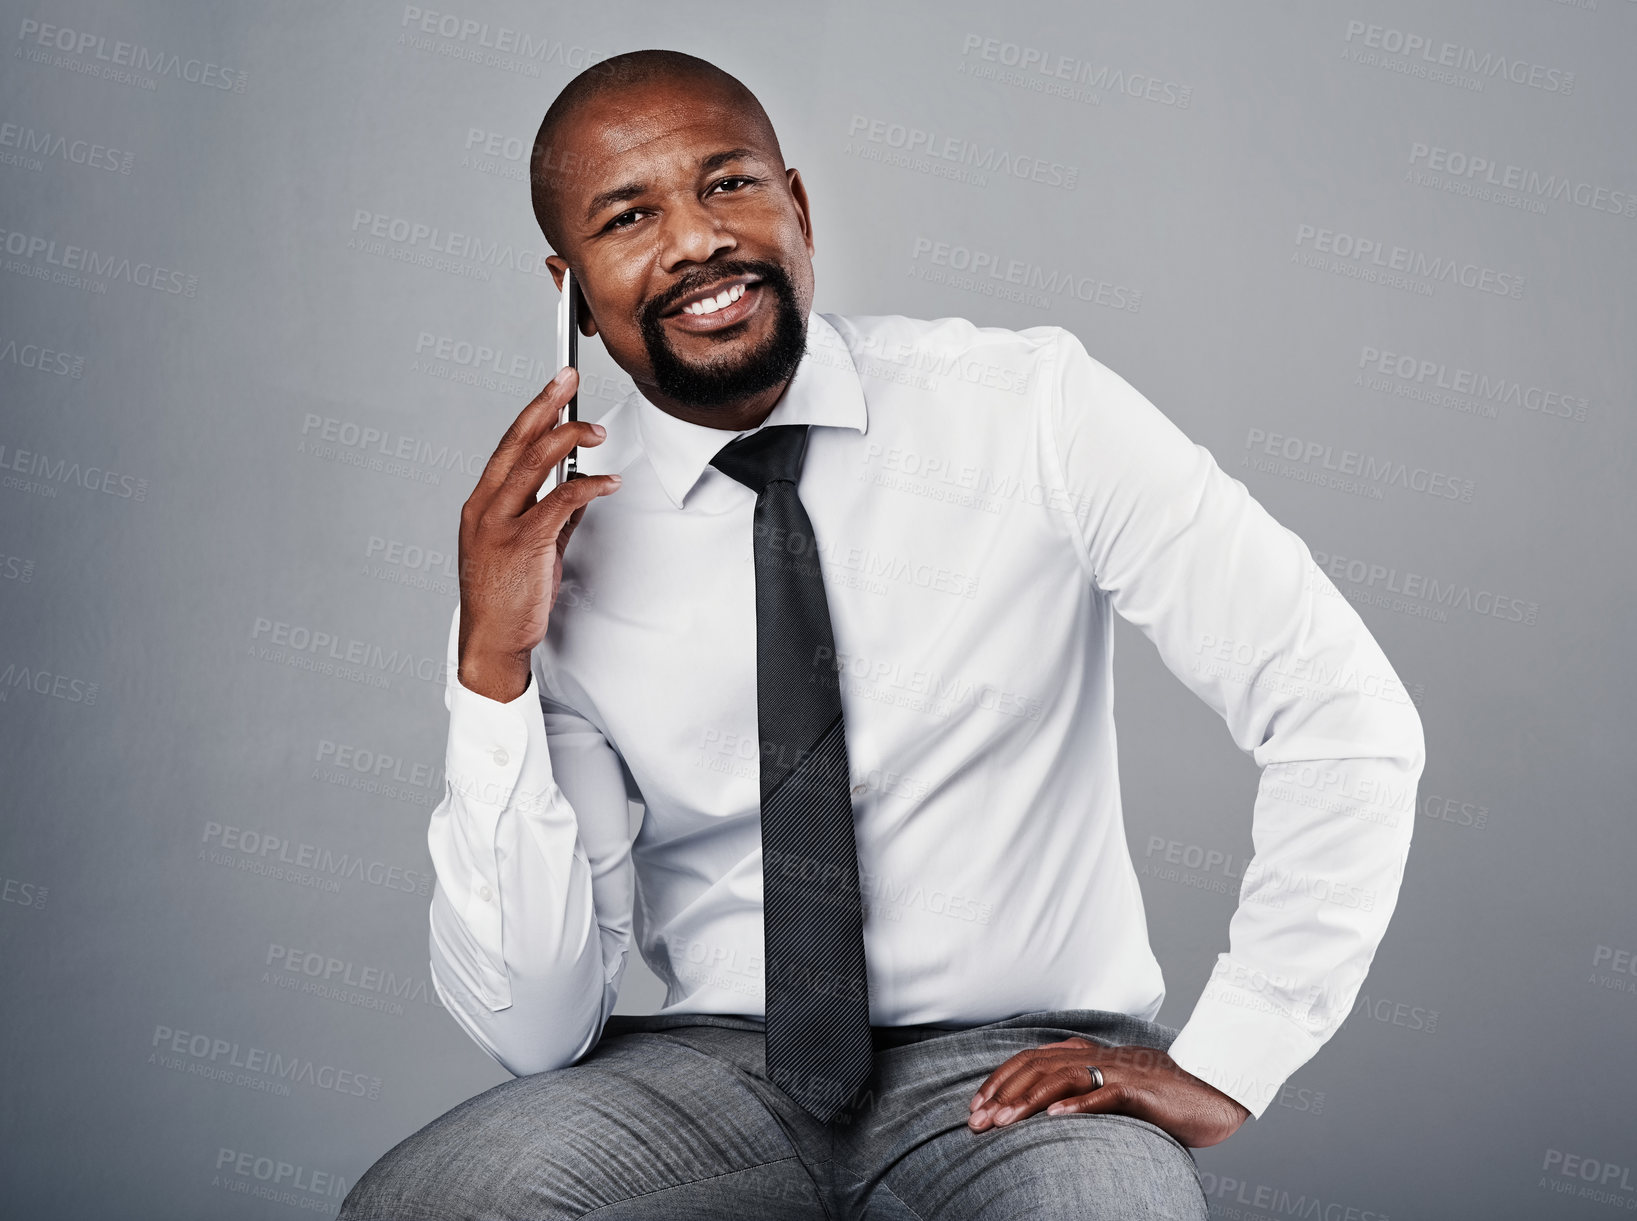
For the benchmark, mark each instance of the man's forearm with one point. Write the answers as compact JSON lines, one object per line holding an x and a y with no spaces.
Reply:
{"x":1315,"y":903}
{"x":528,"y":849}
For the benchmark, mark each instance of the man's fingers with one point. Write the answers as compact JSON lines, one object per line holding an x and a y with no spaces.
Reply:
{"x":537,"y":418}
{"x":1010,"y":1100}
{"x":542,"y":408}
{"x":1023,"y":1097}
{"x":551,"y":516}
{"x":998,"y":1081}
{"x":1063,"y":1082}
{"x":516,"y":494}
{"x":1023,"y":1061}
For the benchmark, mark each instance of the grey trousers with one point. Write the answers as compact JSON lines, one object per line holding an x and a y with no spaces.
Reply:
{"x":672,"y":1117}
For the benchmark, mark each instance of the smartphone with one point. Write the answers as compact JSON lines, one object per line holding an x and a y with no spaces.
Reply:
{"x":568,"y":356}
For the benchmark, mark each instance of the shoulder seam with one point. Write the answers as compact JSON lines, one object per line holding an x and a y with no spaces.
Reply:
{"x":1052,"y":360}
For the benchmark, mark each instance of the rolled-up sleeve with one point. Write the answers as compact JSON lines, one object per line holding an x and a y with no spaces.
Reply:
{"x":531,"y":911}
{"x":1241,"y":614}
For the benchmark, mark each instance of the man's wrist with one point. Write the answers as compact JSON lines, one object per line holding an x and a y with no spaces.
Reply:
{"x":501,"y":677}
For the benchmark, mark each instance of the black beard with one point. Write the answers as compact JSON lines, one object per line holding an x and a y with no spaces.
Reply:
{"x":722,"y":383}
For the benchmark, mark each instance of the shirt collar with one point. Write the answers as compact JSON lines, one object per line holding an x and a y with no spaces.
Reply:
{"x":825,"y":390}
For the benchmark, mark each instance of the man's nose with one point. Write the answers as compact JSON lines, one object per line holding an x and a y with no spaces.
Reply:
{"x":693,"y":235}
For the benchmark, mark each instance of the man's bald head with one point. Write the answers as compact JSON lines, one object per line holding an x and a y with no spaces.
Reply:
{"x":555,"y":164}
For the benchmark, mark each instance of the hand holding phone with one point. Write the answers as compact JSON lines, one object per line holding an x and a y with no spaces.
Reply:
{"x":516,"y":523}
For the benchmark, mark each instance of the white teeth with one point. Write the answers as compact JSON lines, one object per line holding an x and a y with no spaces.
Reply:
{"x":721,"y":300}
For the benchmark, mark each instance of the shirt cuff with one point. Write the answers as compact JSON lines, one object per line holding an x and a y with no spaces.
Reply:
{"x":486,"y":741}
{"x":1234,"y":1042}
{"x":482,"y":763}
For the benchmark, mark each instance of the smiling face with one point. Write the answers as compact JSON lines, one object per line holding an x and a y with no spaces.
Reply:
{"x":690,"y":241}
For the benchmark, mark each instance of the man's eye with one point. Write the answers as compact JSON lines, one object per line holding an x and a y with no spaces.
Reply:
{"x":624,"y":219}
{"x":735,"y":181}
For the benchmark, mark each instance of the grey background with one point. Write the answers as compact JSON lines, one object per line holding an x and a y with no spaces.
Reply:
{"x":1204,"y":138}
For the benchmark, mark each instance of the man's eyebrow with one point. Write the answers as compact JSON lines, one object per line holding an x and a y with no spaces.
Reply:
{"x":619,"y":194}
{"x":613,"y":195}
{"x":717,"y":160}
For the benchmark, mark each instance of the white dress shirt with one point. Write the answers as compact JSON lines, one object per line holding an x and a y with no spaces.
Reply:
{"x":984,"y":501}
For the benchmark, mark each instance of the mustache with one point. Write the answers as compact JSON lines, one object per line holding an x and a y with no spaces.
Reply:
{"x":704,"y":276}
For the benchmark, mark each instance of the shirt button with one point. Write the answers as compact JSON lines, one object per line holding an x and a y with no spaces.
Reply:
{"x":859,"y":789}
{"x":501,"y":757}
{"x":485,"y":893}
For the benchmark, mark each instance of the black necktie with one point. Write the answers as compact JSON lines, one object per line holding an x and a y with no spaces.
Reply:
{"x":818,"y":1001}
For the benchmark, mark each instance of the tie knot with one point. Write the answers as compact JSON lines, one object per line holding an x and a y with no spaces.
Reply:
{"x":764,"y":456}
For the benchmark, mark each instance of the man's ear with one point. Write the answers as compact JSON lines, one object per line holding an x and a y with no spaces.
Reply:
{"x":557,"y":265}
{"x":798,"y":196}
{"x":588,"y":321}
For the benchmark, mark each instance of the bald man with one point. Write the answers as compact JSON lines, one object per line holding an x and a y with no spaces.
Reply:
{"x":1010,"y":1064}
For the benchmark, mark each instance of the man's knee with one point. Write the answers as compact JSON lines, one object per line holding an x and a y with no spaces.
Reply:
{"x":497,"y":1154}
{"x":1057,"y":1168}
{"x":640,"y":1116}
